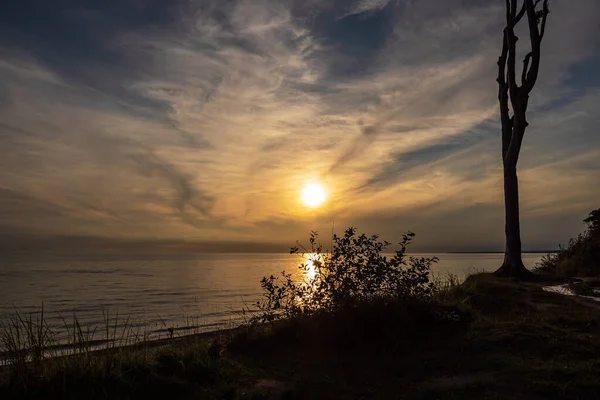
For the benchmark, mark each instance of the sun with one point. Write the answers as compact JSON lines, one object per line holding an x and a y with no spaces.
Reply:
{"x":313,"y":195}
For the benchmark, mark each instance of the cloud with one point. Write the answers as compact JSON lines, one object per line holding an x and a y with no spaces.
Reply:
{"x":201,"y":119}
{"x":187,"y":195}
{"x":364,"y":6}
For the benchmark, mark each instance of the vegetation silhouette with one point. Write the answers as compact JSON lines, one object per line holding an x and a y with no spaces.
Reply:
{"x":581,"y":256}
{"x":354,"y":272}
{"x":513,"y":126}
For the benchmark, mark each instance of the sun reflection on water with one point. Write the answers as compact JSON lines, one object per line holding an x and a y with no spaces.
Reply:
{"x":311,"y":271}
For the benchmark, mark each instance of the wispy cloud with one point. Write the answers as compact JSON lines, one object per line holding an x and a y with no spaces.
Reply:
{"x":363,"y":6}
{"x":201,"y":119}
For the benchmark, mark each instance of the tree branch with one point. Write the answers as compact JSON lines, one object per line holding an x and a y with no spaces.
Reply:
{"x":525,"y":68}
{"x":518,"y":126}
{"x":514,"y":148}
{"x":511,"y":63}
{"x":503,"y":97}
{"x":502,"y":61}
{"x":534,"y":37}
{"x":522,"y":11}
{"x":513,"y":9}
{"x":545,"y":12}
{"x":520,"y":14}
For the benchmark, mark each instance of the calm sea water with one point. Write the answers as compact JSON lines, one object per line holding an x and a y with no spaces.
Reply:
{"x":203,"y":291}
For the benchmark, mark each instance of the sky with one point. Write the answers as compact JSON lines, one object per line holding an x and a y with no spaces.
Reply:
{"x":202,"y":120}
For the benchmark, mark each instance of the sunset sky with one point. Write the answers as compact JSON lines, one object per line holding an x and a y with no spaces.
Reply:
{"x":204,"y":119}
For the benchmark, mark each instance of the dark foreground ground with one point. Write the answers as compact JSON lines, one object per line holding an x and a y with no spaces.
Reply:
{"x":484,"y":339}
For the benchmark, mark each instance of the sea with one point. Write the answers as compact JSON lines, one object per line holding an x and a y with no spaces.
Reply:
{"x":165,"y":295}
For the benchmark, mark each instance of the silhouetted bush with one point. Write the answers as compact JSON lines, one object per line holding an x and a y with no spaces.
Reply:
{"x":581,"y":257}
{"x":354,"y":272}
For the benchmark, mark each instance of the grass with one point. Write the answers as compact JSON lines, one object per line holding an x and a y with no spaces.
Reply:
{"x":483,"y":339}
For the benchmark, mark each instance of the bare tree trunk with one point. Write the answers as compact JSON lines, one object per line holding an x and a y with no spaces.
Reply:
{"x":513,"y":264}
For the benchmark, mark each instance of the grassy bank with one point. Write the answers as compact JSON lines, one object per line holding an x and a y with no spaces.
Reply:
{"x":485,"y":338}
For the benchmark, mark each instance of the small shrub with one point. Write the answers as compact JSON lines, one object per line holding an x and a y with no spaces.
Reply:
{"x":354,"y":272}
